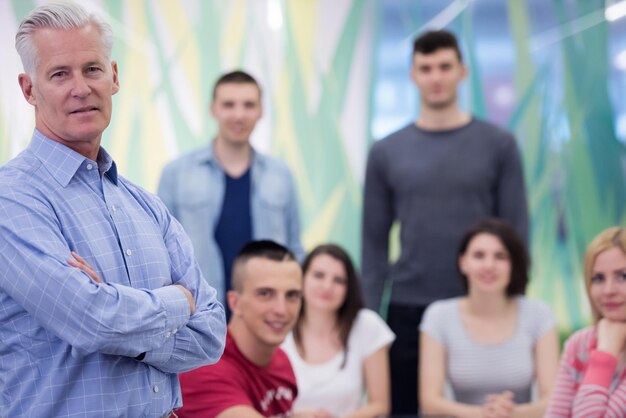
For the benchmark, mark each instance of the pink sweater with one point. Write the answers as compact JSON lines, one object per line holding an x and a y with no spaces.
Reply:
{"x":587,"y":385}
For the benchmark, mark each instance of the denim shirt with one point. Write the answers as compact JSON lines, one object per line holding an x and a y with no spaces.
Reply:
{"x":192,"y":187}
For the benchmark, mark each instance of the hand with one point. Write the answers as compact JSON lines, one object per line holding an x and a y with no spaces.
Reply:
{"x":311,"y":413}
{"x":190,"y":299}
{"x":80,"y":263}
{"x":611,"y":336}
{"x":499,"y":405}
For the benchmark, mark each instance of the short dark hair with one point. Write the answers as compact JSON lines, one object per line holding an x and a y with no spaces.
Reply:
{"x":236,"y":76}
{"x":351,"y":305}
{"x":258,"y":249}
{"x":431,"y":41}
{"x":520,"y":261}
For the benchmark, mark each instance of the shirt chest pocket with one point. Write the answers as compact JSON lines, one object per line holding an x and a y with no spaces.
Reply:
{"x":271,"y":208}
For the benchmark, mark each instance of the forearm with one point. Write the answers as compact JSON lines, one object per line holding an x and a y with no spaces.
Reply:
{"x":371,"y":410}
{"x":531,"y":410}
{"x":438,"y":405}
{"x":375,"y":256}
{"x":199,"y":343}
{"x":377,"y":220}
{"x":593,"y":398}
{"x":201,"y":340}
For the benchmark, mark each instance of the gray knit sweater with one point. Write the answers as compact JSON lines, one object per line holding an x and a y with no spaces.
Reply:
{"x":437,"y":184}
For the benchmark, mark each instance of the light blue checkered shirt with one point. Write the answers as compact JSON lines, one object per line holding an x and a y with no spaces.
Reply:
{"x":67,"y":344}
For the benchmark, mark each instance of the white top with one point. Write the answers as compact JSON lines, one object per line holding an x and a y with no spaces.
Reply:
{"x":326,"y":385}
{"x":475,"y":370}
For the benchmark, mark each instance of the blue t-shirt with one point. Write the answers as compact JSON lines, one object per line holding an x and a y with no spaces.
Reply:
{"x":234,"y":227}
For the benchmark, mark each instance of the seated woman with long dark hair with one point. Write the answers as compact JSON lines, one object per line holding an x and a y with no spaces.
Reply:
{"x":493,"y":344}
{"x":338,"y":349}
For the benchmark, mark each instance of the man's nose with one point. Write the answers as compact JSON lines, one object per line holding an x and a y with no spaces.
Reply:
{"x":80,"y":87}
{"x":280,"y":305}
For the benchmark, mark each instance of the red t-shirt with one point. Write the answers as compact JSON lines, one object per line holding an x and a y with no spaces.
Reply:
{"x":236,"y":381}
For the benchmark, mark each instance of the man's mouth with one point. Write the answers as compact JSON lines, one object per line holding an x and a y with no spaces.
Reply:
{"x":84,"y":109}
{"x":276,"y":325}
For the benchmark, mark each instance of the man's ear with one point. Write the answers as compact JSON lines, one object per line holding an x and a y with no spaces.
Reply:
{"x":116,"y":80}
{"x":26,"y":85}
{"x":465,"y":71}
{"x":232,"y":298}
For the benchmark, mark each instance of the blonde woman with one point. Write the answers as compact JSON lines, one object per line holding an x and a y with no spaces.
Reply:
{"x":592,"y":378}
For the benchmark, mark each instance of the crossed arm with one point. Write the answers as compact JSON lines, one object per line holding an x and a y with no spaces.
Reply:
{"x":179,"y":326}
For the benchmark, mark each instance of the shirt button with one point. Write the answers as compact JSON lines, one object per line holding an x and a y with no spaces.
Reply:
{"x":155,"y":389}
{"x":168,"y":334}
{"x":114,"y":208}
{"x":174,"y":331}
{"x":129,"y":252}
{"x":89,"y":166}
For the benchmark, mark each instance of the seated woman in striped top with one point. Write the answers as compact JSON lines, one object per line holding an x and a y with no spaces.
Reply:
{"x":592,"y":378}
{"x":492,"y":344}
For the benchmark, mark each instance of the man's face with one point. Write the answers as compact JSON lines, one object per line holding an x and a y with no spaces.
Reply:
{"x":437,"y":77}
{"x":270,"y":299}
{"x":236,"y":108}
{"x":73,"y":85}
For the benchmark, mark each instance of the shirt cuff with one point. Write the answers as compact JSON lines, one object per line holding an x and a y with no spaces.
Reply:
{"x":177,"y":314}
{"x":177,"y":309}
{"x":600,"y":369}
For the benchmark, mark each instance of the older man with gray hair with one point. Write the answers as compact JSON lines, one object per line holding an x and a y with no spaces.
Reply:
{"x":102,"y":302}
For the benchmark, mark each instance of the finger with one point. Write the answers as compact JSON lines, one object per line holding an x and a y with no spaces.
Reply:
{"x":80,"y":263}
{"x":79,"y":258}
{"x":86,"y":266}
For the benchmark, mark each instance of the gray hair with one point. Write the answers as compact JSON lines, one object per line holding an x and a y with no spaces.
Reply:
{"x":61,"y":16}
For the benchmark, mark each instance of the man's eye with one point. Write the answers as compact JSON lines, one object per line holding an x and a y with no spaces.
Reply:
{"x":58,"y":74}
{"x":294,"y":296}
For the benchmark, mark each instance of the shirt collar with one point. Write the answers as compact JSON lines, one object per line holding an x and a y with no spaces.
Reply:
{"x":63,"y":162}
{"x":207,"y":155}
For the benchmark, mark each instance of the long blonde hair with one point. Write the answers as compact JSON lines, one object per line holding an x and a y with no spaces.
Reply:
{"x":605,"y":240}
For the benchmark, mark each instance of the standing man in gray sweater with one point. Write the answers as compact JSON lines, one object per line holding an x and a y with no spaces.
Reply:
{"x":437,"y":177}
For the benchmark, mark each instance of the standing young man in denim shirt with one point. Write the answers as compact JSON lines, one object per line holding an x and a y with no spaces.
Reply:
{"x":102,"y":303}
{"x":227,"y":193}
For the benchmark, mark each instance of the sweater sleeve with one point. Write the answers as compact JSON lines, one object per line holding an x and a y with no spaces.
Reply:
{"x":511,"y":189}
{"x":584,"y":384}
{"x":594,"y":397}
{"x":377,"y":219}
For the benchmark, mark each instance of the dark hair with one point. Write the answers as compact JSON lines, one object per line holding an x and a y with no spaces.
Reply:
{"x":237,"y":76}
{"x":520,"y":261}
{"x":352,"y":304}
{"x":258,"y":249}
{"x":431,"y":41}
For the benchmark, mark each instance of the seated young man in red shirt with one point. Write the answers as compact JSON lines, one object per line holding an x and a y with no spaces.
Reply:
{"x":254,"y":377}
